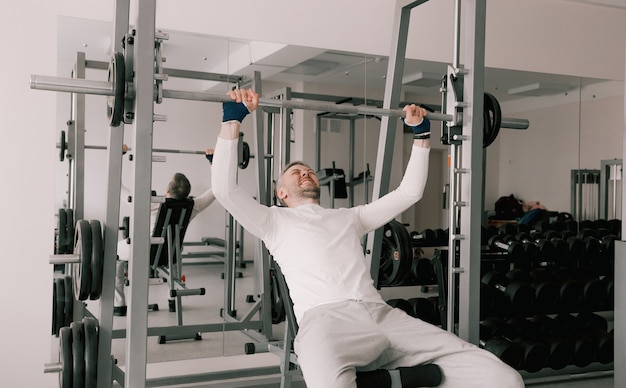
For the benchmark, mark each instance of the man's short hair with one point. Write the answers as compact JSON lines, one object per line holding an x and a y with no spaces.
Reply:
{"x":179,"y":187}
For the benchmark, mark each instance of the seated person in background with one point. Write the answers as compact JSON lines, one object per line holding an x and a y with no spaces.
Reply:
{"x":533,"y":212}
{"x":345,"y":326}
{"x":178,"y":188}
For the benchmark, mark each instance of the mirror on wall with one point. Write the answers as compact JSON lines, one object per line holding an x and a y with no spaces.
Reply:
{"x":575,"y":124}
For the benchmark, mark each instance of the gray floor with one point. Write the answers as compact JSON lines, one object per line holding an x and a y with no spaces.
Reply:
{"x":219,"y":351}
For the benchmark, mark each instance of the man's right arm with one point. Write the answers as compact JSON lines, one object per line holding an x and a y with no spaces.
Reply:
{"x":253,"y":216}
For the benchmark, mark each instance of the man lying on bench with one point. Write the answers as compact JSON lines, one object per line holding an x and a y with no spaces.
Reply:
{"x":344,"y":324}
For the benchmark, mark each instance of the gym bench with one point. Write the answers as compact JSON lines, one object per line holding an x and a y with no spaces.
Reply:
{"x":166,"y":255}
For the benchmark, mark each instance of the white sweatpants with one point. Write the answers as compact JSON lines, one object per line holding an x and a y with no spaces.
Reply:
{"x":336,"y":340}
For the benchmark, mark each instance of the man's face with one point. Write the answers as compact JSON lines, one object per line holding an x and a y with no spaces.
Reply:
{"x":300,"y":182}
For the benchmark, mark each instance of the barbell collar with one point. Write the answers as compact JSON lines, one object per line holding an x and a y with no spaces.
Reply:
{"x":104,"y":88}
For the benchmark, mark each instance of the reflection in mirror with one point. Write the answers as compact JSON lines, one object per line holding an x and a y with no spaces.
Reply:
{"x":572,"y":127}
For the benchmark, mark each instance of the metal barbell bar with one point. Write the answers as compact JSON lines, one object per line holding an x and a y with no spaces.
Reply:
{"x":104,"y":88}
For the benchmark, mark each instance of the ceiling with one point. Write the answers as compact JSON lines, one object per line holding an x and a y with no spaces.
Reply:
{"x":295,"y":64}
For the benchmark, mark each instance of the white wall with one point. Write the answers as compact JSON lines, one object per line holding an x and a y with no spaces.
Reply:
{"x":515,"y":31}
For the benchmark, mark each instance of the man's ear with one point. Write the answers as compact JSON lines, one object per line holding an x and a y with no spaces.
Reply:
{"x":281,"y":193}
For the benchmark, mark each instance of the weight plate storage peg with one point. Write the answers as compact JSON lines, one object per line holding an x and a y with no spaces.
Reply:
{"x":117,"y":76}
{"x":82,"y":269}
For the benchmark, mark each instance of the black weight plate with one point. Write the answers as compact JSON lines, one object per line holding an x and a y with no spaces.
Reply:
{"x":389,"y":253}
{"x":54,"y":330}
{"x":115,"y":103}
{"x":91,"y":352}
{"x":78,"y":354}
{"x":68,"y":305}
{"x":63,"y":147}
{"x":245,"y":156}
{"x":60,"y":304}
{"x":69,"y":235}
{"x":406,"y":252}
{"x":62,"y":230}
{"x":82,"y":269}
{"x":396,"y":254}
{"x":97,"y":260}
{"x":65,"y":357}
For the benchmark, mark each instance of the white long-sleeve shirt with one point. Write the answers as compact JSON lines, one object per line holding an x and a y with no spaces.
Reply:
{"x":319,"y":250}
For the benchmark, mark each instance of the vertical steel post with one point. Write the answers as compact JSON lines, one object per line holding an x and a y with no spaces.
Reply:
{"x":77,"y":194}
{"x":619,"y":309}
{"x":139,"y":263}
{"x":111,"y":222}
{"x":388,"y":125}
{"x":472,"y":159}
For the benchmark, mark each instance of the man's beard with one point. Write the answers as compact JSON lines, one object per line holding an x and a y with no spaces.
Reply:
{"x":310,"y":192}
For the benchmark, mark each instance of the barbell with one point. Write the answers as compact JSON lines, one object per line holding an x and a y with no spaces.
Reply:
{"x":117,"y":90}
{"x":244,"y":153}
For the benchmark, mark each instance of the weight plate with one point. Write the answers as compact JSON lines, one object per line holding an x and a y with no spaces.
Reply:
{"x":54,"y":330}
{"x":492,"y":119}
{"x":68,"y":301}
{"x":245,"y":156}
{"x":78,"y":354}
{"x":276,"y":300}
{"x":97,"y":260}
{"x":396,"y":254}
{"x":69,"y":235}
{"x":91,"y":352}
{"x":65,"y":357}
{"x":62,"y":231}
{"x":115,"y":103}
{"x":82,"y":269}
{"x":59,"y":290}
{"x":63,"y":147}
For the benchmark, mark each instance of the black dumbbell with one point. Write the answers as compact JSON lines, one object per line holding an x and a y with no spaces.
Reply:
{"x":595,"y":327}
{"x":547,"y":290}
{"x":508,"y":244}
{"x":520,"y":295}
{"x":493,"y":302}
{"x":423,"y":271}
{"x":492,"y":338}
{"x":561,"y":352}
{"x":585,"y":348}
{"x":536,"y":353}
{"x":425,"y":309}
{"x":571,"y":290}
{"x":425,"y":237}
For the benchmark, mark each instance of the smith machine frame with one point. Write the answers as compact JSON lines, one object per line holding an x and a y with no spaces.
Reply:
{"x":463,"y":124}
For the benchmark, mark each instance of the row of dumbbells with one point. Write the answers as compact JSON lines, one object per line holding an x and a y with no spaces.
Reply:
{"x":530,"y":250}
{"x":543,"y":291}
{"x":549,"y":342}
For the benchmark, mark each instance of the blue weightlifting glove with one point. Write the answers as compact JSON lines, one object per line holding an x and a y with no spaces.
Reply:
{"x":209,"y":157}
{"x":420,"y":131}
{"x":234,"y":111}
